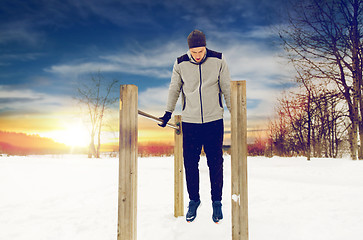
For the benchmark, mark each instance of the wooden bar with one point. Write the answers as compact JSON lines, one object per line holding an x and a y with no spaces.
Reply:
{"x":178,"y":169}
{"x":156,"y":119}
{"x":239,"y":160}
{"x":127,"y":192}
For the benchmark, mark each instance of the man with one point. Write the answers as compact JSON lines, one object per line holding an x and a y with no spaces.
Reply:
{"x":201,"y":76}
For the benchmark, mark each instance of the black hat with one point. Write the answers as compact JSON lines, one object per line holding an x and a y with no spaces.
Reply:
{"x":196,"y":39}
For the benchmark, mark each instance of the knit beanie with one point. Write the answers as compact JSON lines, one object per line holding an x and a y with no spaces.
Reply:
{"x":196,"y":39}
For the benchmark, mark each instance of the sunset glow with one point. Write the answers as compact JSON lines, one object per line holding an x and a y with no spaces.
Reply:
{"x":74,"y":134}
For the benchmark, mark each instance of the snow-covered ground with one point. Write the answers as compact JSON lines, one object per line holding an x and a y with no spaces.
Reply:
{"x":75,"y":198}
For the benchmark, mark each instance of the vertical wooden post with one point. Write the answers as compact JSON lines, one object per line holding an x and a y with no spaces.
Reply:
{"x":239,"y":160}
{"x":178,"y":170}
{"x":127,"y":192}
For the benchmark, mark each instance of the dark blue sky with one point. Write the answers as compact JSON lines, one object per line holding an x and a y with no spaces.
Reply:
{"x":47,"y":45}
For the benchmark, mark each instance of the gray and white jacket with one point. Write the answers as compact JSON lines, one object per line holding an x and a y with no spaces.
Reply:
{"x":202,"y":85}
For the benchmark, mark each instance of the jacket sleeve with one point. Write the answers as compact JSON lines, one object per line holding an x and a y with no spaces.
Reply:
{"x":224,"y":81}
{"x":174,"y":88}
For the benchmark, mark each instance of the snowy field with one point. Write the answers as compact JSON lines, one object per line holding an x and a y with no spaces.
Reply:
{"x":75,"y":198}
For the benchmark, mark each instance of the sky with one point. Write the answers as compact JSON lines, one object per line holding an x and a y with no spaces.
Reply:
{"x":48,"y":46}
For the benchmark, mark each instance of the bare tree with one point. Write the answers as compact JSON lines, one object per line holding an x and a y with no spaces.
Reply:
{"x":279,"y":134}
{"x":323,"y":40}
{"x":95,"y":96}
{"x":310,"y":122}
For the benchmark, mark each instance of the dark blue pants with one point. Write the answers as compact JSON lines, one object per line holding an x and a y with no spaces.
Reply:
{"x":210,"y":136}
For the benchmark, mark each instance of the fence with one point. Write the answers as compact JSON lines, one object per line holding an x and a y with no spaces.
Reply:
{"x":127,"y":203}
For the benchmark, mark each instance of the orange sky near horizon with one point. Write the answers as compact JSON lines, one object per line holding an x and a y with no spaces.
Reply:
{"x":68,"y":127}
{"x":72,"y":131}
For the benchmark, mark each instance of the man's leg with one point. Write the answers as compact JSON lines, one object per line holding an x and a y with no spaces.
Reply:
{"x":213,"y":142}
{"x":192,"y":147}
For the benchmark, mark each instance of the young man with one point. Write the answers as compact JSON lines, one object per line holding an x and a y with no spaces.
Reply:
{"x":202,"y":77}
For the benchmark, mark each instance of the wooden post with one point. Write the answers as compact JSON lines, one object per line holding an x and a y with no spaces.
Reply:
{"x":127,"y":192}
{"x":239,"y":160}
{"x":178,"y":170}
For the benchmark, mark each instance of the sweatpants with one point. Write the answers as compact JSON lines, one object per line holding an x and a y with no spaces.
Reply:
{"x":210,"y":136}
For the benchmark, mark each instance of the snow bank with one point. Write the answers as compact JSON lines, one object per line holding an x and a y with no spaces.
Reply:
{"x":75,"y":198}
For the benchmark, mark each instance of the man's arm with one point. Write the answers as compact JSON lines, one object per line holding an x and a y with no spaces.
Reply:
{"x":174,"y":88}
{"x":224,"y":81}
{"x":174,"y":92}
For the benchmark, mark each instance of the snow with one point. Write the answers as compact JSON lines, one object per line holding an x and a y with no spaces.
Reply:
{"x":72,"y":197}
{"x":236,"y":198}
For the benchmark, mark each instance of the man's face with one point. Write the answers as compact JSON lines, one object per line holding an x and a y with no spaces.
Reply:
{"x":198,"y":53}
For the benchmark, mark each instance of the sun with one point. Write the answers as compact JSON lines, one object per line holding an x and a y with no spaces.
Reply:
{"x":73,"y":134}
{"x":77,"y":135}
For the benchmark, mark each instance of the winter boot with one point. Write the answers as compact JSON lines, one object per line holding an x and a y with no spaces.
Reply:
{"x":217,"y":211}
{"x":192,"y":210}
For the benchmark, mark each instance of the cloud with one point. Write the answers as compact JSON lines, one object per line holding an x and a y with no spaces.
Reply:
{"x":266,"y":75}
{"x":21,"y":56}
{"x":21,"y":32}
{"x":256,"y":63}
{"x":154,"y":98}
{"x":10,"y":59}
{"x":155,"y":62}
{"x":260,"y":32}
{"x":12,"y":100}
{"x":26,"y":101}
{"x":107,"y":66}
{"x":159,"y":55}
{"x":252,"y":55}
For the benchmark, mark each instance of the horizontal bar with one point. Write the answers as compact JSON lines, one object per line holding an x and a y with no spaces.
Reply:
{"x":177,"y":128}
{"x":250,"y":130}
{"x":157,"y":119}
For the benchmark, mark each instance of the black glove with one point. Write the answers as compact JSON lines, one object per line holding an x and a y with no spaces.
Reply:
{"x":165,"y":119}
